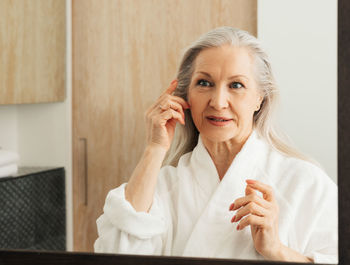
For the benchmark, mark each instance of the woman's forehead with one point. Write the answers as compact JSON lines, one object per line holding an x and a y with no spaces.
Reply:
{"x":224,"y":59}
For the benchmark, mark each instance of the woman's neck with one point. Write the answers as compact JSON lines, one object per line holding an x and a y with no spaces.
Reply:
{"x":223,"y":153}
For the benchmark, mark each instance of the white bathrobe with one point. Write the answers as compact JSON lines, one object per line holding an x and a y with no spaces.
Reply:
{"x":190,"y":212}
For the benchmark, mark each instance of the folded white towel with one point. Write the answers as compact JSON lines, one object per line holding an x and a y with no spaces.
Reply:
{"x":8,"y":170}
{"x":8,"y":157}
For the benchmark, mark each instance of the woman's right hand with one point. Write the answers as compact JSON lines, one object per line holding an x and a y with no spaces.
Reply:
{"x":162,"y":116}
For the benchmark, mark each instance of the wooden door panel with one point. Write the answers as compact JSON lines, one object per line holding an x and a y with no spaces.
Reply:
{"x":32,"y":51}
{"x":125,"y":53}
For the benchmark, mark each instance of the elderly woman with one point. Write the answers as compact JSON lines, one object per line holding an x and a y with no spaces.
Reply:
{"x":230,"y":187}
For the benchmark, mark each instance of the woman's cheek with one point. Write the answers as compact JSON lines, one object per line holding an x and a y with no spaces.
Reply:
{"x":196,"y":119}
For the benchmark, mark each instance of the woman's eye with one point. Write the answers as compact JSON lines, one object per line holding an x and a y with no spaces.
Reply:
{"x":203,"y":82}
{"x":236,"y":85}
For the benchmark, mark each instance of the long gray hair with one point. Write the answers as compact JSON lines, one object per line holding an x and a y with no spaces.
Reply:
{"x":186,"y":137}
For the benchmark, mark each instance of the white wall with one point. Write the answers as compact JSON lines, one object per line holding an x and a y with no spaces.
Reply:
{"x":41,"y":134}
{"x":8,"y":127}
{"x":301,"y":40}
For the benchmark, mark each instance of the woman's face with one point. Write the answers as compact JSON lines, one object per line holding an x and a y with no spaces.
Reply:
{"x":223,"y":94}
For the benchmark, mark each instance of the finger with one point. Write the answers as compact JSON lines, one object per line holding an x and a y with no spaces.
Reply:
{"x":171,"y":88}
{"x":171,"y":114}
{"x":253,"y":197}
{"x":165,"y":101}
{"x":249,"y":190}
{"x":173,"y":105}
{"x":250,"y":208}
{"x":251,"y":220}
{"x":181,"y":101}
{"x":265,"y":189}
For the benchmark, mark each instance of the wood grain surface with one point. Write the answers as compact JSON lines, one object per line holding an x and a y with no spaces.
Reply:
{"x":125,"y":53}
{"x":32,"y":51}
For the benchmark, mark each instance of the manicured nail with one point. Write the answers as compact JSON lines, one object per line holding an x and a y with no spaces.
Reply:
{"x":233,"y":219}
{"x":231,"y":206}
{"x":172,"y":82}
{"x":237,"y":227}
{"x":250,"y":181}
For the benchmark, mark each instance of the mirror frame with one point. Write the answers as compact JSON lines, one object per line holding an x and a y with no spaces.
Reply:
{"x":24,"y":257}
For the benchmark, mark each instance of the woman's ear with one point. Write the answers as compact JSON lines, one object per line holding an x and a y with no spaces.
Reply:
{"x":259,"y":102}
{"x":188,"y":100}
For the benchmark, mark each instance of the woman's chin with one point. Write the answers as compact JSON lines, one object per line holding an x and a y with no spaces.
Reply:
{"x":218,"y":136}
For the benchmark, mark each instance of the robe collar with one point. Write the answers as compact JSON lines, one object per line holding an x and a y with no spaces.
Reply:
{"x":213,"y":228}
{"x":242,"y":167}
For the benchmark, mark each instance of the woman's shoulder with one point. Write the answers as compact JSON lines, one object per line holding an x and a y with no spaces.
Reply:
{"x":293,"y":175}
{"x":306,"y":172}
{"x":280,"y":168}
{"x":298,"y":184}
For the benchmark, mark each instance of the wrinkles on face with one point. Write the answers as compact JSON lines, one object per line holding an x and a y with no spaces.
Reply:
{"x":223,"y":96}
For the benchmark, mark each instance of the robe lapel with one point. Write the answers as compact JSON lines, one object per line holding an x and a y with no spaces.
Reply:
{"x":214,"y":235}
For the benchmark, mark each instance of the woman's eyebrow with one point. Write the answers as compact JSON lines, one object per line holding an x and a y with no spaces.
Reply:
{"x":241,"y":76}
{"x":231,"y":77}
{"x":204,"y":73}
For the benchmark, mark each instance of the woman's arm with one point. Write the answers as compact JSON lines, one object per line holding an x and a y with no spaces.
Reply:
{"x":287,"y":254}
{"x":161,"y":119}
{"x":141,"y":186}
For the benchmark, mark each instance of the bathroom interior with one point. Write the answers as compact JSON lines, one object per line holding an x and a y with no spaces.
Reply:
{"x":77,"y":75}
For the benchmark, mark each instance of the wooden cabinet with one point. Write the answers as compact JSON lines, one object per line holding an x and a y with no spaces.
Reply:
{"x":125,"y":53}
{"x":32,"y":51}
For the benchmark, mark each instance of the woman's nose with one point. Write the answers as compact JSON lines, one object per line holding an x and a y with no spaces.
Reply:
{"x":219,"y":99}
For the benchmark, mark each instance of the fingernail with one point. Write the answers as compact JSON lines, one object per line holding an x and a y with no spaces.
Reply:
{"x":250,"y":181}
{"x":231,"y":206}
{"x":233,"y":219}
{"x":172,"y":82}
{"x":237,"y":227}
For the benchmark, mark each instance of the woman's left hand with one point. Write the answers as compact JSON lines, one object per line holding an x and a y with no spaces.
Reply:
{"x":261,"y":213}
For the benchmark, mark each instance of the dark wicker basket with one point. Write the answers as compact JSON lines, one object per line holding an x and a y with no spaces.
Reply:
{"x":33,"y":210}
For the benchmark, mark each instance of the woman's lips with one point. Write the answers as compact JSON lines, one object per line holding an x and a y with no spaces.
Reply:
{"x":218,"y":121}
